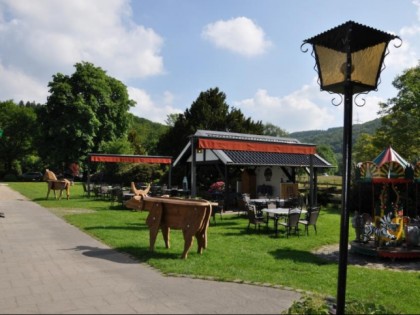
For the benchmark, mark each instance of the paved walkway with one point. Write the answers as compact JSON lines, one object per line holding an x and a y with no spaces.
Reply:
{"x":48,"y":266}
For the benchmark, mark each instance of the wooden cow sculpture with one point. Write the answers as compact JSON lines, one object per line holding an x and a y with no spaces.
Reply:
{"x":56,"y":184}
{"x":192,"y":216}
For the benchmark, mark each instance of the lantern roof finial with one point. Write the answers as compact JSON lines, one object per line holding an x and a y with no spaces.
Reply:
{"x":361,"y":37}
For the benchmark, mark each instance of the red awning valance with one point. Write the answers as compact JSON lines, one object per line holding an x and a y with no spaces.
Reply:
{"x":216,"y":144}
{"x":130,"y":159}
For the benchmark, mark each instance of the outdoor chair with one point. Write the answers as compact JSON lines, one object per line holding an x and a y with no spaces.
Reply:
{"x":217,"y":209}
{"x":85,"y":189}
{"x":311,"y":219}
{"x":271,"y":205}
{"x":254,"y":218}
{"x":292,"y":202}
{"x":105,"y":192}
{"x":292,"y":221}
{"x":243,"y":204}
{"x":116,"y":195}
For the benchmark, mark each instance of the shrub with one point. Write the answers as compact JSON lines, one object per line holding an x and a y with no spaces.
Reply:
{"x":309,"y":305}
{"x":319,"y":305}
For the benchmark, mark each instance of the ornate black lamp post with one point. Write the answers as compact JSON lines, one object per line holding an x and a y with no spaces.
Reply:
{"x":349,"y":59}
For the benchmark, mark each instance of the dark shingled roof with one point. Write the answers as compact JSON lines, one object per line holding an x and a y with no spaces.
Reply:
{"x":242,"y":136}
{"x":233,"y":157}
{"x":270,"y":158}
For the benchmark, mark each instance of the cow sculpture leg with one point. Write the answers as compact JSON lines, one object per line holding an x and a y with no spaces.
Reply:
{"x":201,"y":235}
{"x":166,"y":232}
{"x":201,"y":241}
{"x":153,"y":234}
{"x":153,"y":221}
{"x":188,"y":241}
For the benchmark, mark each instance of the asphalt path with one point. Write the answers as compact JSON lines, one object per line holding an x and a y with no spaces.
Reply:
{"x":48,"y":266}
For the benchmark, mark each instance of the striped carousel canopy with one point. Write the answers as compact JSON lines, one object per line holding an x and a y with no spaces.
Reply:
{"x":390,"y":164}
{"x":390,"y":155}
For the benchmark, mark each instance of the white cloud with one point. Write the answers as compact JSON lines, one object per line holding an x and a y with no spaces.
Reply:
{"x":147,"y":108}
{"x":405,"y":56}
{"x":307,"y":109}
{"x":367,"y":112}
{"x":239,"y":35}
{"x":17,"y":86}
{"x":168,"y":98}
{"x":410,"y":30}
{"x":46,"y":37}
{"x":401,"y":55}
{"x":293,"y":112}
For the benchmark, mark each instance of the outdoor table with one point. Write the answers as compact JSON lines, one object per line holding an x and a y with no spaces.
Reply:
{"x":278,"y":212}
{"x":262,"y":202}
{"x":174,"y":192}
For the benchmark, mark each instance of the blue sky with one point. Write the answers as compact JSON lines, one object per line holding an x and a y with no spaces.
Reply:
{"x":166,"y":52}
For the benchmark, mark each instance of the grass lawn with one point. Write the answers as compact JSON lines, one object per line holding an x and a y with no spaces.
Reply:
{"x":234,"y":253}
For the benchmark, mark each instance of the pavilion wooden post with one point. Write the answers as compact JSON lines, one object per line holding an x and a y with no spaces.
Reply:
{"x":226,"y":195}
{"x":193,"y":168}
{"x":88,"y":179}
{"x":311,"y":181}
{"x":170,"y":176}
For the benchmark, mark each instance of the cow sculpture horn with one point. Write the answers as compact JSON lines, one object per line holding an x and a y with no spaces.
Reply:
{"x":139,"y":192}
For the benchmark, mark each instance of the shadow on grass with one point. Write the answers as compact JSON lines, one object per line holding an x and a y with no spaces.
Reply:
{"x":127,"y":227}
{"x":299,"y":256}
{"x":239,"y":226}
{"x":224,"y":224}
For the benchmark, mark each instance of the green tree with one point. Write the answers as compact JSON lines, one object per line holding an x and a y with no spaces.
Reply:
{"x":84,"y":111}
{"x":134,"y":138}
{"x":171,"y":119}
{"x":327,"y":153}
{"x":208,"y":112}
{"x":144,"y":135}
{"x":19,"y":126}
{"x":111,"y":170}
{"x":365,"y":149}
{"x":401,"y":116}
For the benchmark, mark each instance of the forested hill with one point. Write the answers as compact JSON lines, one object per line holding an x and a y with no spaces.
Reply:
{"x":334,"y":136}
{"x":149,"y":133}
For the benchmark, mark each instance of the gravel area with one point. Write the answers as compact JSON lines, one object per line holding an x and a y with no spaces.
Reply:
{"x":331,"y":252}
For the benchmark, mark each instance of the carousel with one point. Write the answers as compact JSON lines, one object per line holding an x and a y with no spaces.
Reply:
{"x":386,"y":217}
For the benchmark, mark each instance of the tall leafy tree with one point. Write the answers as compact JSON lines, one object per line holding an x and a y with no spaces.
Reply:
{"x":208,"y":112}
{"x":401,"y":116}
{"x":364,"y":148}
{"x":171,"y":119}
{"x":18,"y":124}
{"x":84,"y":111}
{"x":325,"y":151}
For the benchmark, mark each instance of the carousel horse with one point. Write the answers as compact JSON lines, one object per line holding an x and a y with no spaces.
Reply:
{"x":56,"y":184}
{"x":382,"y":231}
